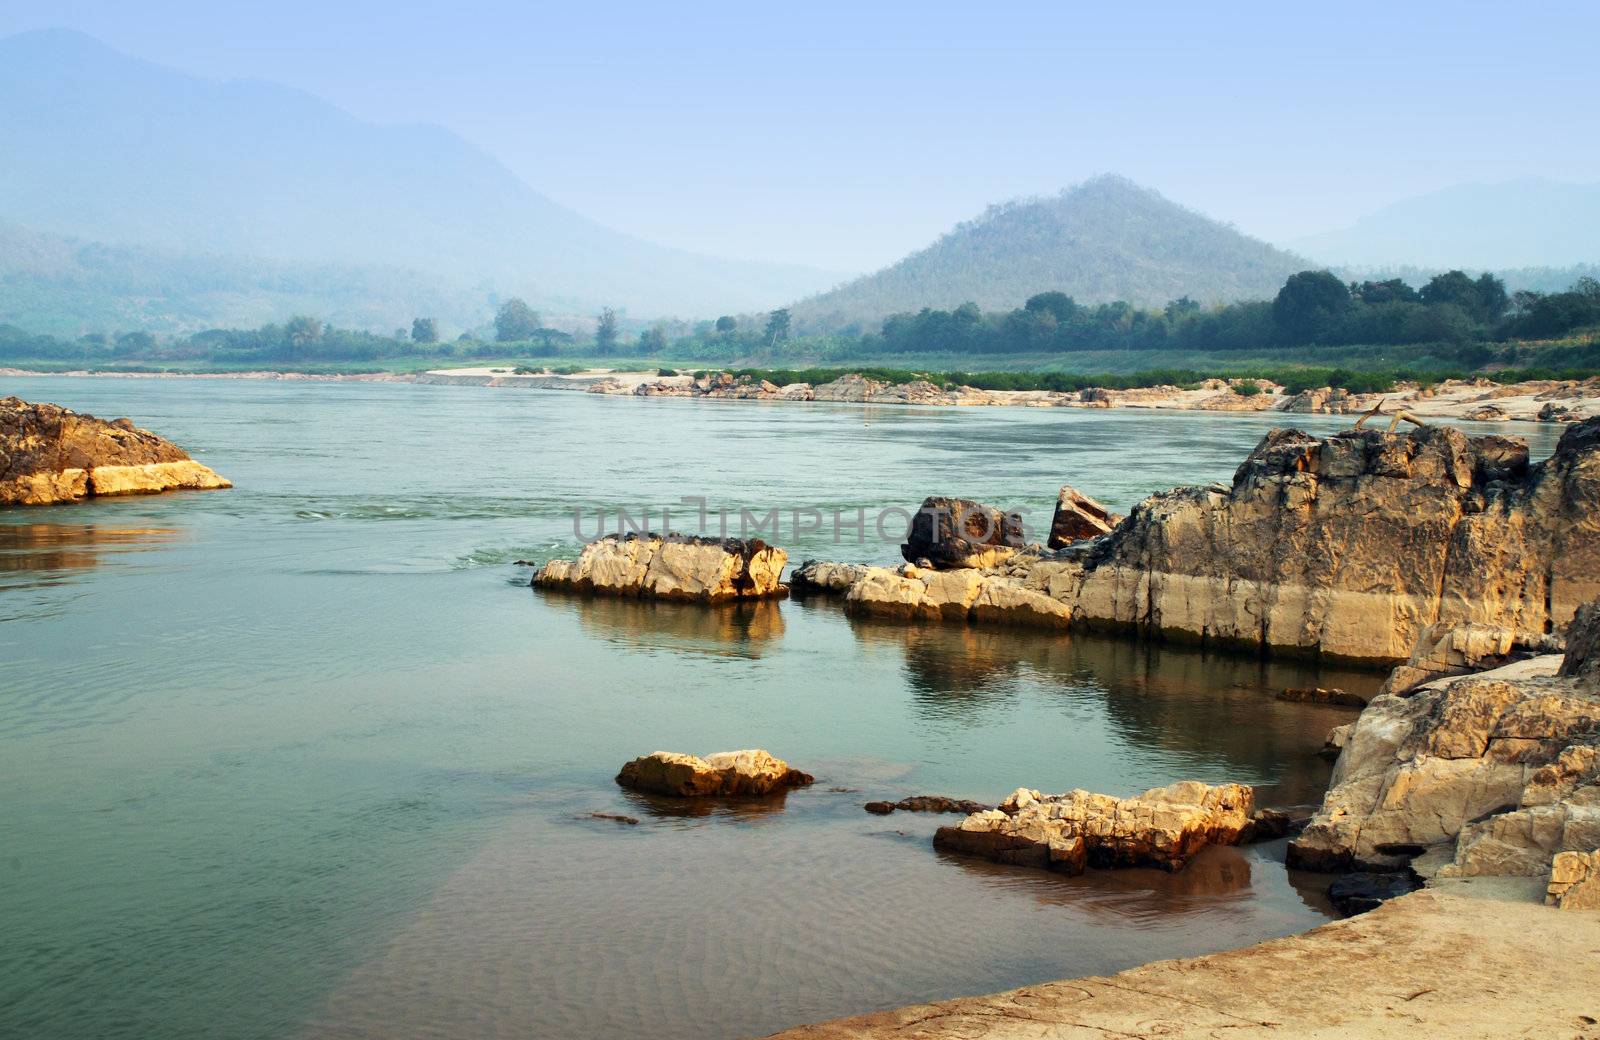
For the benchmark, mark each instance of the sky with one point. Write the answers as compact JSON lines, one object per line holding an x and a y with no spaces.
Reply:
{"x":845,"y":135}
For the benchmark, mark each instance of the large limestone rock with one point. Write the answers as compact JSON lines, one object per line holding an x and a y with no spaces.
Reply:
{"x":1446,"y":649}
{"x":1582,"y":661}
{"x":752,"y":772}
{"x":1164,"y":827}
{"x":672,"y":567}
{"x":1351,"y":545}
{"x":955,"y":533}
{"x":1490,"y":774}
{"x":50,"y":454}
{"x":1077,"y":517}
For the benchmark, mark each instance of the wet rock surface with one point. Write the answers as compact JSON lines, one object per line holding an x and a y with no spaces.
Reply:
{"x":671,"y":567}
{"x":50,"y":454}
{"x":727,"y":773}
{"x":1319,"y":695}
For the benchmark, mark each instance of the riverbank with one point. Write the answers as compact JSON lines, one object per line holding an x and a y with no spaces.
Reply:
{"x":1474,"y":400}
{"x":1471,"y":959}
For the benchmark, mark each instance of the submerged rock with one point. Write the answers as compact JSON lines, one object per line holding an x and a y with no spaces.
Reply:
{"x":1363,"y":891}
{"x":752,"y":772}
{"x":672,"y":567}
{"x":930,"y":803}
{"x":50,"y":454}
{"x":1077,"y":517}
{"x":1164,"y":827}
{"x":958,"y":533}
{"x":1318,"y":695}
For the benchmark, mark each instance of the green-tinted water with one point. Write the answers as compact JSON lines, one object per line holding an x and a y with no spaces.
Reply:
{"x":308,"y":758}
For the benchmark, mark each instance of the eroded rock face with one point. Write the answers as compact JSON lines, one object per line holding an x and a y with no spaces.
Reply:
{"x":1491,"y":774}
{"x":50,"y":454}
{"x":671,"y":567}
{"x":752,"y":772}
{"x":952,"y":533}
{"x":1164,"y":827}
{"x":1366,"y":546}
{"x":1582,"y":660}
{"x":1077,"y":517}
{"x":1351,"y":545}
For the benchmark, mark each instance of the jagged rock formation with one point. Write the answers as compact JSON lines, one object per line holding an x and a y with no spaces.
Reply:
{"x":1164,"y":827}
{"x":1350,"y":546}
{"x":1489,"y":774}
{"x":954,"y":533}
{"x":50,"y":454}
{"x":673,"y":567}
{"x":1446,"y":649}
{"x":1077,"y":517}
{"x":752,"y":772}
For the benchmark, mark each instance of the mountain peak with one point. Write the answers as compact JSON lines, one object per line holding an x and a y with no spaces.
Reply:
{"x":1107,"y":238}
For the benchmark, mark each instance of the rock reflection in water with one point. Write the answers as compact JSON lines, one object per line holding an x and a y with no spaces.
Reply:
{"x":48,"y":554}
{"x":735,"y":810}
{"x":729,"y":629}
{"x":1217,"y":876}
{"x":1198,"y":704}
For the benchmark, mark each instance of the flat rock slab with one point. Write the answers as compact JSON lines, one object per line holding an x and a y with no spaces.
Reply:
{"x":1425,"y":965}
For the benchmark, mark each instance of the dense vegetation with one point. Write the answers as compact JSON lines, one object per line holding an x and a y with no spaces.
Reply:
{"x":1316,"y":323}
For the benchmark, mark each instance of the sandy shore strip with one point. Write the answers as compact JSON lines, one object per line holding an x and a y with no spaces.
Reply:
{"x":1482,"y":959}
{"x":1476,"y":400}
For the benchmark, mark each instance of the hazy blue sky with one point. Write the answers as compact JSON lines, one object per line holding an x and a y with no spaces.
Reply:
{"x":844,"y":135}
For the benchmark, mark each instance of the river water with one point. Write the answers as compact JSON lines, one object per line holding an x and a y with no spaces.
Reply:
{"x":307,"y":758}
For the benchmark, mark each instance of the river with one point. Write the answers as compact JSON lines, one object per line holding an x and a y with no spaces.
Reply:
{"x":307,"y":758}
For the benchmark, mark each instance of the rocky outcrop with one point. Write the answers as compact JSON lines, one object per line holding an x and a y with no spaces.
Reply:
{"x":952,"y":533}
{"x":671,"y":567}
{"x":1164,"y":827}
{"x":1582,"y":660}
{"x":1078,"y":517}
{"x":1367,"y":546}
{"x":727,"y":773}
{"x":1488,"y":774}
{"x":1319,"y":695}
{"x":50,"y":454}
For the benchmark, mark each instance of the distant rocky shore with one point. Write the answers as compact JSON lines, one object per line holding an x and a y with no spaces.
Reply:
{"x":1478,"y":400}
{"x":50,"y":454}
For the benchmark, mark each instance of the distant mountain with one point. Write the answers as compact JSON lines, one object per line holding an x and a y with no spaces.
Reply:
{"x":1522,"y":223}
{"x":1106,"y":239}
{"x":108,"y":148}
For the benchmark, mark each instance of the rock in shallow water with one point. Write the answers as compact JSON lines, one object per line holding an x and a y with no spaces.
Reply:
{"x":955,"y":533}
{"x":50,"y":454}
{"x":1363,"y":891}
{"x":1164,"y":827}
{"x":671,"y":567}
{"x":931,"y":803}
{"x":752,"y":772}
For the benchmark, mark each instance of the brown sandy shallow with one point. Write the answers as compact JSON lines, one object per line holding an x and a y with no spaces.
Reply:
{"x":1436,"y":963}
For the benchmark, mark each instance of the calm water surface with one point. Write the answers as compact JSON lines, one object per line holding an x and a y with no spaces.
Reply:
{"x":308,"y":759}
